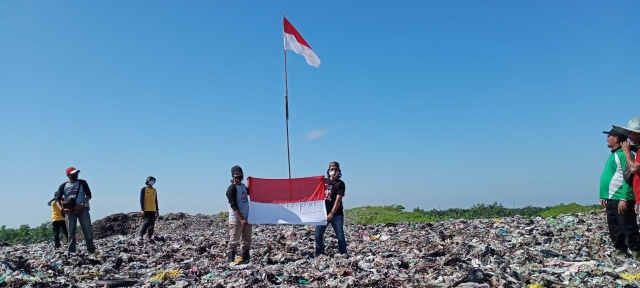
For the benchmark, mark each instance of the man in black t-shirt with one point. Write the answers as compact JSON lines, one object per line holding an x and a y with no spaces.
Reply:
{"x":334,"y":192}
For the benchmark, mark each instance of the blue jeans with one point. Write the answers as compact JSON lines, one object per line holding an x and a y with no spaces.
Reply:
{"x":84,"y":218}
{"x":337,"y":222}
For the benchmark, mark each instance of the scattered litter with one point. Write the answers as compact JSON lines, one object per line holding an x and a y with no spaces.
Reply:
{"x":189,"y":251}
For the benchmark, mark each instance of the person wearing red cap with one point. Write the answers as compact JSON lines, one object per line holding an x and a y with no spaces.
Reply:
{"x":73,"y":199}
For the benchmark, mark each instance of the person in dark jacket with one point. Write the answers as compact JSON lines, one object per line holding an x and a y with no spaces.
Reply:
{"x":149,"y":208}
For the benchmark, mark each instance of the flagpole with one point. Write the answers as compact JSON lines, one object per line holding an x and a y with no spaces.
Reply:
{"x":286,"y":100}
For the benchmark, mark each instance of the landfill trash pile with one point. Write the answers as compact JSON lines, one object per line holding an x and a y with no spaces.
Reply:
{"x":189,"y":251}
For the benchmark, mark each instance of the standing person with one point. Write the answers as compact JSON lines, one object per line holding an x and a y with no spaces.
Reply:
{"x":334,"y":192}
{"x":617,"y":198}
{"x":76,"y":195}
{"x":633,"y":131}
{"x":58,"y":222}
{"x":149,"y":208}
{"x":239,"y":228}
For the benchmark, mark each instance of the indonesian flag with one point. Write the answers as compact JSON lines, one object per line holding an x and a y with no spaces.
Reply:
{"x":287,"y":201}
{"x":293,"y":41}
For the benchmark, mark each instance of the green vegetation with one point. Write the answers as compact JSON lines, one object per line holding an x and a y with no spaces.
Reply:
{"x":396,"y":213}
{"x":26,"y":235}
{"x":571,"y":208}
{"x":359,"y":215}
{"x":385,"y":214}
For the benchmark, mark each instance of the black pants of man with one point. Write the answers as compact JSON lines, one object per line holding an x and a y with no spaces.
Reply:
{"x":623,"y":228}
{"x":149,"y":223}
{"x":57,"y":226}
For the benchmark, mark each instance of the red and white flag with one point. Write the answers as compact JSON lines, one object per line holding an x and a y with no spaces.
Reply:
{"x":293,"y":41}
{"x":287,"y":201}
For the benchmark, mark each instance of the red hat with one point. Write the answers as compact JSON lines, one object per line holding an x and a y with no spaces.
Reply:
{"x":72,"y":170}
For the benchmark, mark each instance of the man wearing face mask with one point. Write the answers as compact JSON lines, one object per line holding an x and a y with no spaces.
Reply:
{"x":334,"y":192}
{"x":76,"y":195}
{"x":149,"y":208}
{"x":239,"y":229}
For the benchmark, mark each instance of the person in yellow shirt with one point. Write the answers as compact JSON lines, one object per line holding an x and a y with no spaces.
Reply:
{"x":58,"y":221}
{"x":149,"y":208}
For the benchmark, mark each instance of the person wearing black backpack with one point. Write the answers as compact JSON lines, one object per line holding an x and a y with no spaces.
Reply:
{"x":239,"y":229}
{"x":73,"y":199}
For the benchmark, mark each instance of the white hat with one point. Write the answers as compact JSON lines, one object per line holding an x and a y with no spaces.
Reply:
{"x":633,"y":125}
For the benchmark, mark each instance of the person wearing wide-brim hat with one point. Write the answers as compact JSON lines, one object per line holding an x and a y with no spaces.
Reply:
{"x":617,"y":197}
{"x":633,"y":132}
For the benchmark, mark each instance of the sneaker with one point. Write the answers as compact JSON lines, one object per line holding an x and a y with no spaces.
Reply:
{"x":620,"y":253}
{"x":151,"y":240}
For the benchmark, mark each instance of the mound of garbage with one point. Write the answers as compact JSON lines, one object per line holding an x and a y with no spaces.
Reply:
{"x":189,"y":251}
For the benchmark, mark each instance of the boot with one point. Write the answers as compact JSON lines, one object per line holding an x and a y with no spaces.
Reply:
{"x":231,"y":256}
{"x":636,"y":255}
{"x":620,"y":253}
{"x":246,"y":257}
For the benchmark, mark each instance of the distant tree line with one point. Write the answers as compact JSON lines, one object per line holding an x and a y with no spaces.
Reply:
{"x":496,"y":210}
{"x":26,"y":235}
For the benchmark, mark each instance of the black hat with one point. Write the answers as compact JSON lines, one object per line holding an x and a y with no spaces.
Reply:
{"x":236,"y":169}
{"x":616,"y":132}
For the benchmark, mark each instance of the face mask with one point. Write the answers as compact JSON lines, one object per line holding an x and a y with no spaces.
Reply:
{"x":73,"y":176}
{"x":332,"y":172}
{"x":152,"y":182}
{"x":237,"y":178}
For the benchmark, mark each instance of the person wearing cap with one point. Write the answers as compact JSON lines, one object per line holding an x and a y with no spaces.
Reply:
{"x":149,"y":208}
{"x":57,"y":221}
{"x":76,"y":195}
{"x":239,"y":229}
{"x":618,"y":199}
{"x":334,"y":192}
{"x":633,"y":131}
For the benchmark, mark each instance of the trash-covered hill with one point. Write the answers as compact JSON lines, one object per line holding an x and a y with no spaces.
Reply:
{"x":569,"y":251}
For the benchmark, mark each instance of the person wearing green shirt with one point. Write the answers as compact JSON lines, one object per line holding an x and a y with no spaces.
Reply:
{"x":617,"y":197}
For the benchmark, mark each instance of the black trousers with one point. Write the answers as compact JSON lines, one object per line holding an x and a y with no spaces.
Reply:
{"x":623,"y":228}
{"x":149,"y":223}
{"x":57,"y":226}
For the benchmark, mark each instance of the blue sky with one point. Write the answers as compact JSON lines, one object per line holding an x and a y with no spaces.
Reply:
{"x":429,"y":104}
